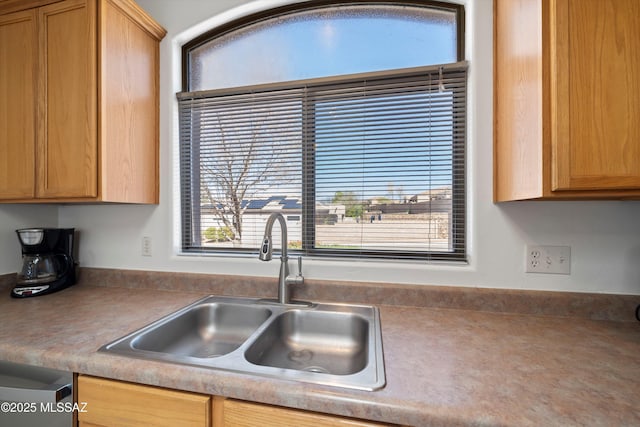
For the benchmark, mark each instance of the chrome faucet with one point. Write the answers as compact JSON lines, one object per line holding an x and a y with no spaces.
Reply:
{"x":266,"y":252}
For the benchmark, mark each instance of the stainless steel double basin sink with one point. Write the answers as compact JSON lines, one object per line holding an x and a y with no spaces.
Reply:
{"x":330,"y":344}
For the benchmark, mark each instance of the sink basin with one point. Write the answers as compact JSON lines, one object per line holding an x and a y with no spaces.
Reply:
{"x":206,"y":330}
{"x":314,"y":341}
{"x":331,"y":344}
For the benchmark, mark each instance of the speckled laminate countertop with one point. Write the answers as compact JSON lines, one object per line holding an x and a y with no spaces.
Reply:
{"x":444,"y":367}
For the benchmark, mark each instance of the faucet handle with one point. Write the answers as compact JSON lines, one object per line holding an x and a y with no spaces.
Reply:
{"x":299,"y":278}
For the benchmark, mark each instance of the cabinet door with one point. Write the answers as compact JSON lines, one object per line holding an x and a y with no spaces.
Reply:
{"x":119,"y":404}
{"x":18,"y":60}
{"x":235,"y":413}
{"x":67,"y":151}
{"x":129,"y":80}
{"x":596,"y":66}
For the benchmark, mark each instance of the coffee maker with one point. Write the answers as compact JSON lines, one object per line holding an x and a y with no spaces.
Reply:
{"x":47,"y":261}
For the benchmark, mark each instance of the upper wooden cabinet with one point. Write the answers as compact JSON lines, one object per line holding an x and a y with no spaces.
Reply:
{"x":566,"y":99}
{"x":79,"y":102}
{"x":18,"y":59}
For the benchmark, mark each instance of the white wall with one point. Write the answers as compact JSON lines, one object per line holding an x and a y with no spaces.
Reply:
{"x":604,"y":236}
{"x":13,"y":217}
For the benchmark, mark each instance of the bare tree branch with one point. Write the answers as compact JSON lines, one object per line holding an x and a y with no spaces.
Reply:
{"x":243,"y":161}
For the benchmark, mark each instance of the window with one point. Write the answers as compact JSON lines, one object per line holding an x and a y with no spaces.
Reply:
{"x":361,"y":147}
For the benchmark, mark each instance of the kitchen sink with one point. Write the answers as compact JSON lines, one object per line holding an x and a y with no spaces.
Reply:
{"x":315,"y":341}
{"x":206,"y":330}
{"x":331,"y":344}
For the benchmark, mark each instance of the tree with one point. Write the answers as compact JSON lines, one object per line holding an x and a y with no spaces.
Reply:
{"x":247,"y":153}
{"x":353,"y":207}
{"x":395,"y":191}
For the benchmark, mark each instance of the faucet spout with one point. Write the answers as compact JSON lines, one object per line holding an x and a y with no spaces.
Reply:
{"x":266,"y":251}
{"x":266,"y":254}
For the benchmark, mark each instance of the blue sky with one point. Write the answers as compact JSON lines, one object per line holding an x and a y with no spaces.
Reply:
{"x":315,"y":45}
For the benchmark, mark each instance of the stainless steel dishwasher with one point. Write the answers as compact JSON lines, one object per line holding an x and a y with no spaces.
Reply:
{"x":32,"y":396}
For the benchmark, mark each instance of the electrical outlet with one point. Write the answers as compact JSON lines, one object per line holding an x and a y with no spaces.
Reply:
{"x":146,"y":246}
{"x":548,"y":259}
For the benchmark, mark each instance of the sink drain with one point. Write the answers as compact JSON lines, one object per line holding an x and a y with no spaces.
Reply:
{"x":300,"y":355}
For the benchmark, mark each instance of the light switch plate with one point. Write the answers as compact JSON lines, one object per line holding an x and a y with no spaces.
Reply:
{"x":548,"y":259}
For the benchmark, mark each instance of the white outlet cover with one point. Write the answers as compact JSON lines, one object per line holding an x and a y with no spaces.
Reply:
{"x":146,"y":246}
{"x":548,"y":259}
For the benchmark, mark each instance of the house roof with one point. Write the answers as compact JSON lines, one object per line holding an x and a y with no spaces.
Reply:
{"x":273,"y":202}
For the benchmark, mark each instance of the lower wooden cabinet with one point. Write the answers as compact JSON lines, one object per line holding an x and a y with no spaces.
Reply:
{"x":237,"y":413}
{"x":119,"y":404}
{"x":112,"y":403}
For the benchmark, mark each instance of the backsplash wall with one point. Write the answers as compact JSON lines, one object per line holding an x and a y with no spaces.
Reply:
{"x":604,"y":236}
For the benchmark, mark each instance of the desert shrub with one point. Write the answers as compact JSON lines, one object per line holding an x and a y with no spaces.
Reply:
{"x":218,"y":234}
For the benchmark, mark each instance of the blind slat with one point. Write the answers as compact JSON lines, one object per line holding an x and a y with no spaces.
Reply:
{"x":378,"y":162}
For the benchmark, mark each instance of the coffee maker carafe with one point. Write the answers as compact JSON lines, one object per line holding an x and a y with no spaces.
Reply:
{"x":47,"y":261}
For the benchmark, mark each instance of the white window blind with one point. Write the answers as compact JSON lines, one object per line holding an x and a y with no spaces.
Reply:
{"x":367,"y":165}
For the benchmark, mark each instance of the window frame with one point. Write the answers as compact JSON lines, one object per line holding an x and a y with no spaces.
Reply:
{"x":457,"y":254}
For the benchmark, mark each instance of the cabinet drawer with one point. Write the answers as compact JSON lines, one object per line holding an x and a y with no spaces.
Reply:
{"x":236,"y":413}
{"x":119,"y":404}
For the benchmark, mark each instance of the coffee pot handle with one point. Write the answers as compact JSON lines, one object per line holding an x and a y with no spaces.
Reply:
{"x":67,"y":262}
